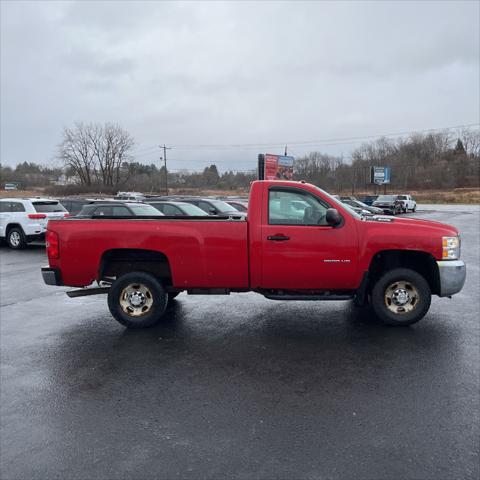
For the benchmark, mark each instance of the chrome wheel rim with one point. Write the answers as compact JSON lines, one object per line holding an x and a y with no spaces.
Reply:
{"x":15,"y":239}
{"x":401,"y":297}
{"x":136,"y":299}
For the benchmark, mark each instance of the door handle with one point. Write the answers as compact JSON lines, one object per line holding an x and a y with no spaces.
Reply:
{"x":278,"y":238}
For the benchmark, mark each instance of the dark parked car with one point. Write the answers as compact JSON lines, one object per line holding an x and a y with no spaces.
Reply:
{"x":390,"y":204}
{"x":213,"y":207}
{"x":239,"y":205}
{"x":118,"y":209}
{"x":74,"y":205}
{"x":178,"y":209}
{"x":363,"y":206}
{"x":369,"y":199}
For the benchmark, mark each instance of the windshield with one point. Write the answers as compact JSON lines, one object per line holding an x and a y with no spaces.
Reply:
{"x":239,"y":206}
{"x":192,"y":210}
{"x":48,"y":207}
{"x":386,"y":198}
{"x":360,"y":204}
{"x":145,"y":210}
{"x":223,"y":207}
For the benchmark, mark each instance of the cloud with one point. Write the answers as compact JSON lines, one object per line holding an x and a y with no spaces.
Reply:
{"x":234,"y":72}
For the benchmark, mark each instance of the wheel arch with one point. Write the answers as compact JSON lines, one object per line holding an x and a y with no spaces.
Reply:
{"x":13,"y":225}
{"x":421,"y":262}
{"x":118,"y":261}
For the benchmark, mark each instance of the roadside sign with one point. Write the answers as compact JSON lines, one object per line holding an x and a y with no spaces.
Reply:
{"x":380,"y":175}
{"x":278,"y":167}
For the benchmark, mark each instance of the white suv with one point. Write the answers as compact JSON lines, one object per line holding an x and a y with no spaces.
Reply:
{"x":408,"y":203}
{"x":24,"y":220}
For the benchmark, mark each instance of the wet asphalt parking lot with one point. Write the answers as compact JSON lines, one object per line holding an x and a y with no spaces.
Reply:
{"x":238,"y":387}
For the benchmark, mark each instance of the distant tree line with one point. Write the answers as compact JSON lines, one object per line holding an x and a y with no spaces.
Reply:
{"x":134,"y":176}
{"x":149,"y":178}
{"x":30,"y":175}
{"x":98,"y":158}
{"x":423,"y":161}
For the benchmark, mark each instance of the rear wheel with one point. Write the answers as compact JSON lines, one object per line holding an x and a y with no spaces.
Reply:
{"x":401,"y":297}
{"x":137,"y":300}
{"x":16,"y":238}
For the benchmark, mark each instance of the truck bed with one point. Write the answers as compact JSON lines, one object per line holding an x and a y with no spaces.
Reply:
{"x":203,"y":252}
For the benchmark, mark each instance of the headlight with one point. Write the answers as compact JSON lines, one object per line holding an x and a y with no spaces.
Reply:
{"x":451,"y":248}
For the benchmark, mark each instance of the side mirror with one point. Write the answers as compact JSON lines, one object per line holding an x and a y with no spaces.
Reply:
{"x":332,"y":217}
{"x":213,"y":211}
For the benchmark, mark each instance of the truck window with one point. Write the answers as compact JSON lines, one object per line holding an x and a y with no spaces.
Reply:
{"x":289,"y":207}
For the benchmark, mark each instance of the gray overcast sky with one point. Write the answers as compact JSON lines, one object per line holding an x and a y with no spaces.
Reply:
{"x":234,"y":73}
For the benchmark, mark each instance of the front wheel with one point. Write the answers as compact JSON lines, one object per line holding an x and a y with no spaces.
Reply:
{"x":137,"y":300}
{"x":401,"y":297}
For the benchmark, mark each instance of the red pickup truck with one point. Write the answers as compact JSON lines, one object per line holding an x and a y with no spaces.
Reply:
{"x":297,"y":243}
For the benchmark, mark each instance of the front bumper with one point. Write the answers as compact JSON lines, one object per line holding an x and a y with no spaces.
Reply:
{"x":386,"y":209}
{"x":51,"y":276}
{"x":452,"y":276}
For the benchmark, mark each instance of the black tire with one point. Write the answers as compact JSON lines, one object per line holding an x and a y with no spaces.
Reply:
{"x":16,"y":238}
{"x":414,"y":208}
{"x":135,"y":287}
{"x":398,"y":281}
{"x":172,"y":296}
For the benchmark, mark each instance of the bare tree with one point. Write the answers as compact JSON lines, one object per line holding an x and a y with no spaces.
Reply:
{"x":471,"y":141}
{"x":76,"y":153}
{"x":96,"y":152}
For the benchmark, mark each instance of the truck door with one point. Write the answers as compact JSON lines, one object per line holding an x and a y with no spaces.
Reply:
{"x":300,"y":251}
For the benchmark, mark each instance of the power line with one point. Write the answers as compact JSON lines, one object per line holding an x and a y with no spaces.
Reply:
{"x":312,"y":143}
{"x":145,"y":149}
{"x":326,"y":141}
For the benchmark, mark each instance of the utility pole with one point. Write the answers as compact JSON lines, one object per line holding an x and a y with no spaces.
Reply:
{"x":285,"y":150}
{"x":164,"y":158}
